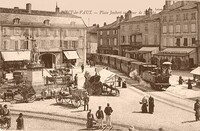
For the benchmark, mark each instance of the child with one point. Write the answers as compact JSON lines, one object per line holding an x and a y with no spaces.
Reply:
{"x":20,"y":122}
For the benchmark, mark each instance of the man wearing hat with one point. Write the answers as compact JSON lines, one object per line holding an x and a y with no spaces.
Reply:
{"x":197,"y":109}
{"x":20,"y":122}
{"x":7,"y":115}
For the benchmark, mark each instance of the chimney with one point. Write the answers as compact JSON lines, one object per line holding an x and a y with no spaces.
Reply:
{"x":146,"y":12}
{"x":94,"y":25}
{"x":128,"y":15}
{"x":97,"y":25}
{"x":118,"y":19}
{"x":150,"y":12}
{"x":16,"y":8}
{"x":104,"y":23}
{"x":167,"y":4}
{"x":57,"y":8}
{"x":28,"y":7}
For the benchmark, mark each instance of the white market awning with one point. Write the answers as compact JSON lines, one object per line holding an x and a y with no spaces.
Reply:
{"x":71,"y":55}
{"x":178,"y":50}
{"x":153,"y":50}
{"x":196,"y":71}
{"x":107,"y":76}
{"x":16,"y":55}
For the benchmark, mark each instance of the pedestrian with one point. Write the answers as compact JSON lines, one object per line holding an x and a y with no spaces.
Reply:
{"x":124,"y":84}
{"x":144,"y":104}
{"x":119,"y":81}
{"x":151,"y":104}
{"x":7,"y":115}
{"x":1,"y":110}
{"x":82,"y":68}
{"x":76,"y":80}
{"x":86,"y":100}
{"x":20,"y":122}
{"x":197,"y":110}
{"x":108,"y":110}
{"x":100,"y":117}
{"x":180,"y":81}
{"x":189,"y":84}
{"x":90,"y":119}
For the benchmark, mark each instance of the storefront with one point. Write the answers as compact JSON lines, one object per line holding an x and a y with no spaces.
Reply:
{"x":181,"y":58}
{"x":105,"y":50}
{"x":15,"y":60}
{"x":144,"y":54}
{"x":70,"y":58}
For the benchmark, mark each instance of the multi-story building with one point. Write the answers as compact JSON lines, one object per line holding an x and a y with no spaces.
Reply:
{"x":180,"y":34}
{"x":59,"y":37}
{"x":91,"y":44}
{"x":140,"y":36}
{"x":108,"y":37}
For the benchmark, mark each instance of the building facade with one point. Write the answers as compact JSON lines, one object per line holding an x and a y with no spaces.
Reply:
{"x":139,"y":32}
{"x":108,"y":37}
{"x":52,"y":33}
{"x":180,"y":34}
{"x":92,"y":40}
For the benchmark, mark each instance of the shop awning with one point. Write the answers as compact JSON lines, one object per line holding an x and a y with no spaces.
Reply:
{"x":196,"y":71}
{"x":176,"y":51}
{"x":153,"y":50}
{"x":16,"y":55}
{"x":107,"y":76}
{"x":71,"y":55}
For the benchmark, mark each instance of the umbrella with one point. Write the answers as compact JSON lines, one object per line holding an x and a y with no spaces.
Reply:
{"x":167,"y":63}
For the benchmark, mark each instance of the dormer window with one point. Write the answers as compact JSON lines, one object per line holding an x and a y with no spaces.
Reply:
{"x":46,"y":22}
{"x":16,"y":21}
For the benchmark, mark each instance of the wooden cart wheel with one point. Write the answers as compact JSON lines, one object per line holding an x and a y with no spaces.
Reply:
{"x":76,"y":101}
{"x":59,"y":99}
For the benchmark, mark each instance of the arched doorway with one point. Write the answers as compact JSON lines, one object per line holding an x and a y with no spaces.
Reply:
{"x":48,"y":60}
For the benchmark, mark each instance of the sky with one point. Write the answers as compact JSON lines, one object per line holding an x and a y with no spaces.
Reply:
{"x":92,"y":11}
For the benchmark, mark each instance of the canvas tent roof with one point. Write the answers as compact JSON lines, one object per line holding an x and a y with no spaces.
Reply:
{"x":196,"y":71}
{"x":106,"y":75}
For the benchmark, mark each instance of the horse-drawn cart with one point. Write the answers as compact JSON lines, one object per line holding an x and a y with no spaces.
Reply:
{"x":71,"y":96}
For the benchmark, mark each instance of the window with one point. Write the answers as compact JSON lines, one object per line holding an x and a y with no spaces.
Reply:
{"x":164,"y":18}
{"x":123,"y":39}
{"x":193,"y":16}
{"x":66,"y":33}
{"x":108,"y":41}
{"x":5,"y":45}
{"x":108,"y":32}
{"x":185,"y":43}
{"x":16,"y":21}
{"x":164,"y":29}
{"x":178,"y":41}
{"x":178,"y":17}
{"x":185,"y":28}
{"x":26,"y":32}
{"x":46,"y":22}
{"x":138,"y":38}
{"x":171,"y":29}
{"x":74,"y":44}
{"x":193,"y":41}
{"x":37,"y":32}
{"x":23,"y":44}
{"x":146,"y":28}
{"x":115,"y":41}
{"x":178,"y":28}
{"x":132,"y":38}
{"x":16,"y":45}
{"x":185,"y":16}
{"x":146,"y":39}
{"x":171,"y":18}
{"x":114,"y":32}
{"x":17,"y":31}
{"x":193,"y":28}
{"x":6,"y":31}
{"x":101,"y":41}
{"x":138,"y":28}
{"x":101,"y":32}
{"x":164,"y":41}
{"x":56,"y":33}
{"x":171,"y":42}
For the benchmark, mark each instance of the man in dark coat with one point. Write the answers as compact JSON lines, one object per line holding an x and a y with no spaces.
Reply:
{"x":86,"y":100}
{"x":180,"y":81}
{"x":100,"y":116}
{"x":76,"y":80}
{"x":20,"y":122}
{"x":82,"y":68}
{"x":119,"y":81}
{"x":7,"y":115}
{"x":124,"y":84}
{"x":197,"y":110}
{"x":144,"y":104}
{"x":108,"y":110}
{"x":189,"y":84}
{"x":151,"y":104}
